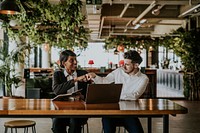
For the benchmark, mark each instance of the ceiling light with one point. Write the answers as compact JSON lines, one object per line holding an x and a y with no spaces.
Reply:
{"x":125,"y":30}
{"x":156,"y":12}
{"x":9,"y":7}
{"x":136,"y":26}
{"x":143,"y":21}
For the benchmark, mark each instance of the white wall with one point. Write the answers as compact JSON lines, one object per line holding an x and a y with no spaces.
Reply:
{"x":97,"y":53}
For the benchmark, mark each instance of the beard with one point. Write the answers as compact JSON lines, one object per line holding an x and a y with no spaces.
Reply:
{"x":127,"y":70}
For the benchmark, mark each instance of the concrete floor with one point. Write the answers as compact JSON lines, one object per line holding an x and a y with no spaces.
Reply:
{"x":43,"y":125}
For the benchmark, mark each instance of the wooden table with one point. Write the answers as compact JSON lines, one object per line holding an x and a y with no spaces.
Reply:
{"x":46,"y":108}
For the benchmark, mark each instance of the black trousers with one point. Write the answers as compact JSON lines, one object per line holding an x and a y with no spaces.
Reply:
{"x":75,"y":125}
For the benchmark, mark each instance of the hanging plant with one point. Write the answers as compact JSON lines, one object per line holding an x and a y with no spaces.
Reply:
{"x":130,"y":42}
{"x":59,"y":24}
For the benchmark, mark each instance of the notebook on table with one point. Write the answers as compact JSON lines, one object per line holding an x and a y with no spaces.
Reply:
{"x":103,"y":93}
{"x":66,"y":97}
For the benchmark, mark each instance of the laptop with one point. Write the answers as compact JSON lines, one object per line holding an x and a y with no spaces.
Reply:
{"x":103,"y":93}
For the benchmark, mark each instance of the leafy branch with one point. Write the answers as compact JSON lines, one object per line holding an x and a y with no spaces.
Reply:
{"x":60,"y":24}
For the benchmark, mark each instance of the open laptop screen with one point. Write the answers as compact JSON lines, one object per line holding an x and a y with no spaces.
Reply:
{"x":103,"y":93}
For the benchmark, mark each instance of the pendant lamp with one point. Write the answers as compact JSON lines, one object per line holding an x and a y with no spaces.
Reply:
{"x":9,"y":7}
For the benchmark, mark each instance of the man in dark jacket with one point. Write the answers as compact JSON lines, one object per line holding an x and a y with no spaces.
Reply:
{"x":67,"y":80}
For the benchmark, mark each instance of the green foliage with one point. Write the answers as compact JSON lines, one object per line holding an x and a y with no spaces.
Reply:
{"x":59,"y":25}
{"x":187,"y":47}
{"x":8,"y":73}
{"x":129,"y":42}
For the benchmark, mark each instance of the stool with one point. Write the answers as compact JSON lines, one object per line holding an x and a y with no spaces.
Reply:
{"x":20,"y":124}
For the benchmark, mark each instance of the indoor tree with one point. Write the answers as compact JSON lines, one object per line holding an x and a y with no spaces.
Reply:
{"x":187,"y":47}
{"x":8,"y":73}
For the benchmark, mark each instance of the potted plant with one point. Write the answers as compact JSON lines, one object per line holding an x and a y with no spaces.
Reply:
{"x":187,"y":47}
{"x":8,"y":72}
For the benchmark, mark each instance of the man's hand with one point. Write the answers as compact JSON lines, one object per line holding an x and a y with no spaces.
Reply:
{"x":89,"y":76}
{"x":81,"y":79}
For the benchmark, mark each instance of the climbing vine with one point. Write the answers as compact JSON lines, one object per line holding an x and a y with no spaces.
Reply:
{"x":42,"y":22}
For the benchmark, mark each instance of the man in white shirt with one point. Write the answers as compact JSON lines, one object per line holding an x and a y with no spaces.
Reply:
{"x":134,"y":84}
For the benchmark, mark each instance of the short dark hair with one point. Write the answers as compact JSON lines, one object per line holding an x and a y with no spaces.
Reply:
{"x":133,"y":55}
{"x":64,"y":56}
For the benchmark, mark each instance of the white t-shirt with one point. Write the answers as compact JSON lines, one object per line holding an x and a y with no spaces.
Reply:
{"x":133,"y":85}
